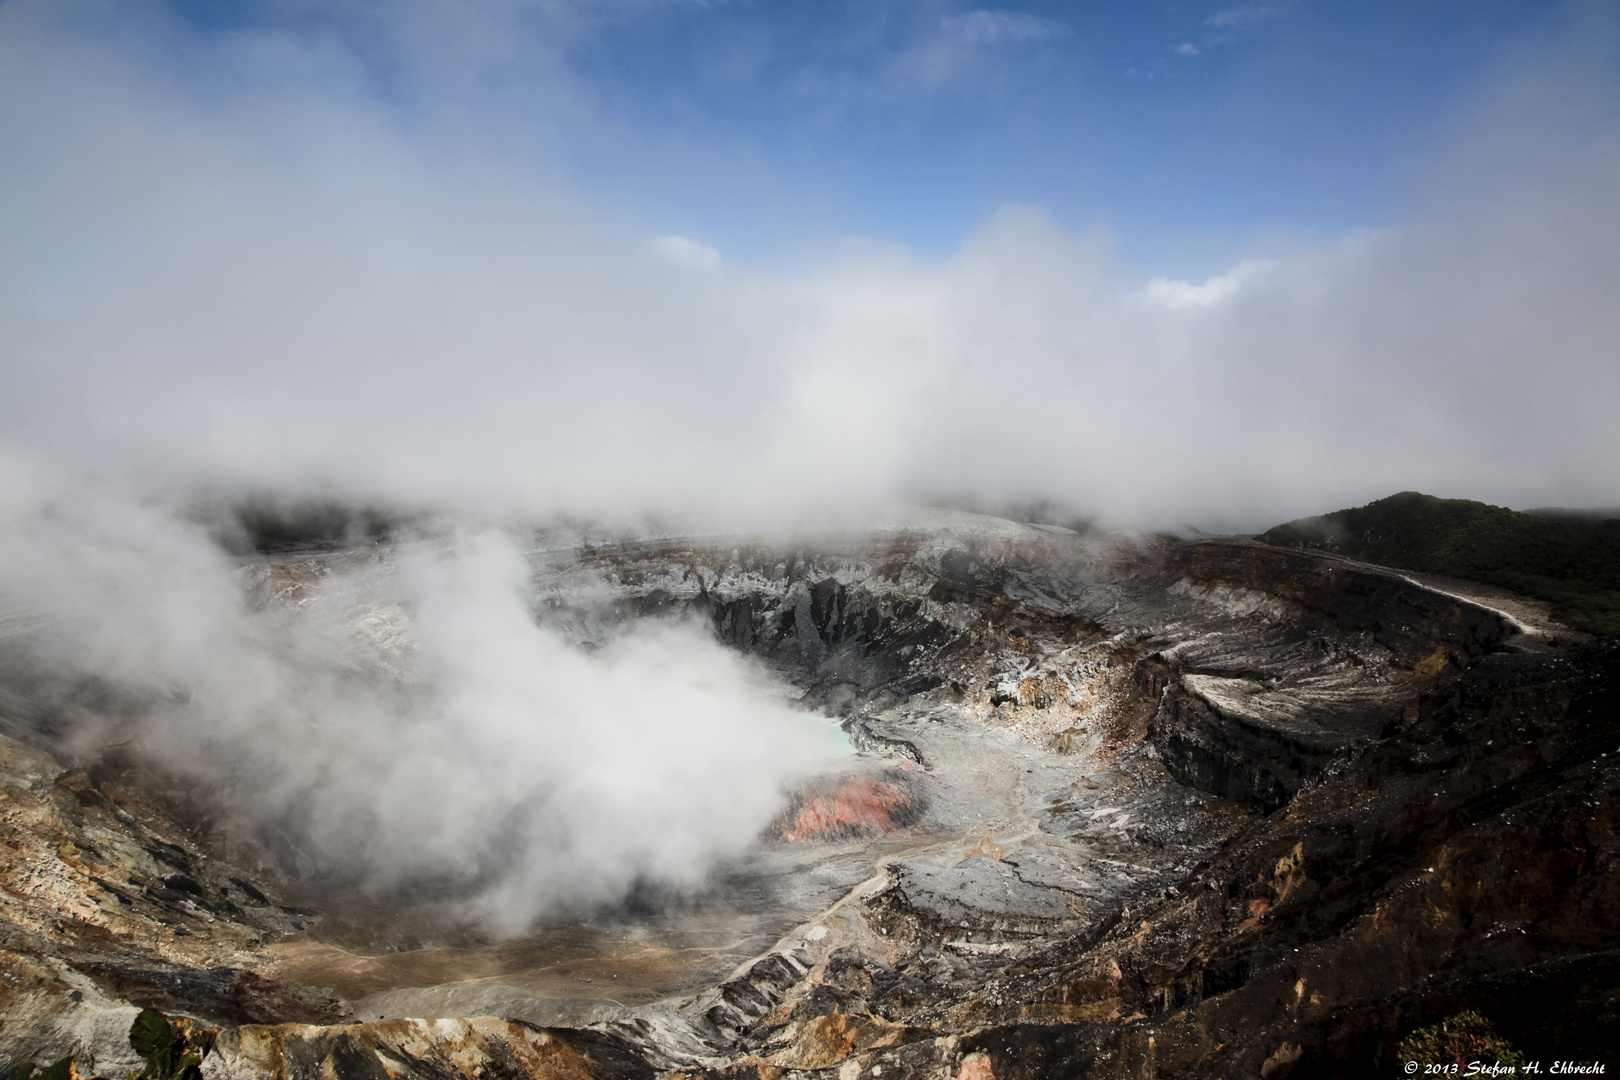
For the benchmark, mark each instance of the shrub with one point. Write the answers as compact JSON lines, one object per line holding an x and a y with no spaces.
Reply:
{"x":173,"y":1049}
{"x":1459,"y":1040}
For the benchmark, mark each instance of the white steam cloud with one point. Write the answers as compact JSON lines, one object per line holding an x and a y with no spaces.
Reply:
{"x":413,"y":725}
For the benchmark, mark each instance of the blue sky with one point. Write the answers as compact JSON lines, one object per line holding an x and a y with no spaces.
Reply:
{"x":915,"y":121}
{"x":763,"y":127}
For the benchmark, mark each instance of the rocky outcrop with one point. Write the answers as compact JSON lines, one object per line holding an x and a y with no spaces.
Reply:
{"x":1257,"y":722}
{"x":497,"y":1049}
{"x":1464,"y":858}
{"x":108,"y":903}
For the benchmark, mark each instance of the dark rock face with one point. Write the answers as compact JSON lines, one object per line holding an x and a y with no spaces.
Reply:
{"x":1465,"y":858}
{"x":1134,"y":808}
{"x":1255,"y":725}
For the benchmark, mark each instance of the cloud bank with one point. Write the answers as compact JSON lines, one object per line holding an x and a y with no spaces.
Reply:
{"x":284,"y":284}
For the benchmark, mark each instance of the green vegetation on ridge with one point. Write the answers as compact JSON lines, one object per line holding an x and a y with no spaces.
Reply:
{"x":1458,"y":1042}
{"x":1573,"y":563}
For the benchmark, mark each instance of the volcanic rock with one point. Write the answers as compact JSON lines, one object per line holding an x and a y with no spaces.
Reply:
{"x":1123,"y":806}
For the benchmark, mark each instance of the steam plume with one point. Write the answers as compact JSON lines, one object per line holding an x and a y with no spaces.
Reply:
{"x":415,"y":725}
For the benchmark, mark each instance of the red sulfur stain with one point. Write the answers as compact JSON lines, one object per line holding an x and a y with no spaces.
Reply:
{"x":859,"y":807}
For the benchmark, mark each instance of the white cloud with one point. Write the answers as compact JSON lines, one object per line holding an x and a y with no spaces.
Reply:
{"x":686,"y":252}
{"x":987,"y":27}
{"x":1186,"y":48}
{"x":1172,"y":294}
{"x":204,"y":289}
{"x":1246,"y":14}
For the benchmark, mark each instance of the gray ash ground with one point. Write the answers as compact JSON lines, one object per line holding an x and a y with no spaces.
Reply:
{"x":1123,"y":807}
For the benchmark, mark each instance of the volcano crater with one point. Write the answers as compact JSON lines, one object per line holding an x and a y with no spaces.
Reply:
{"x":1104,"y":790}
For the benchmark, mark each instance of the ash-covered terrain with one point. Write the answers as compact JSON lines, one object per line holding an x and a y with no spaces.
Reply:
{"x":1113,"y":806}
